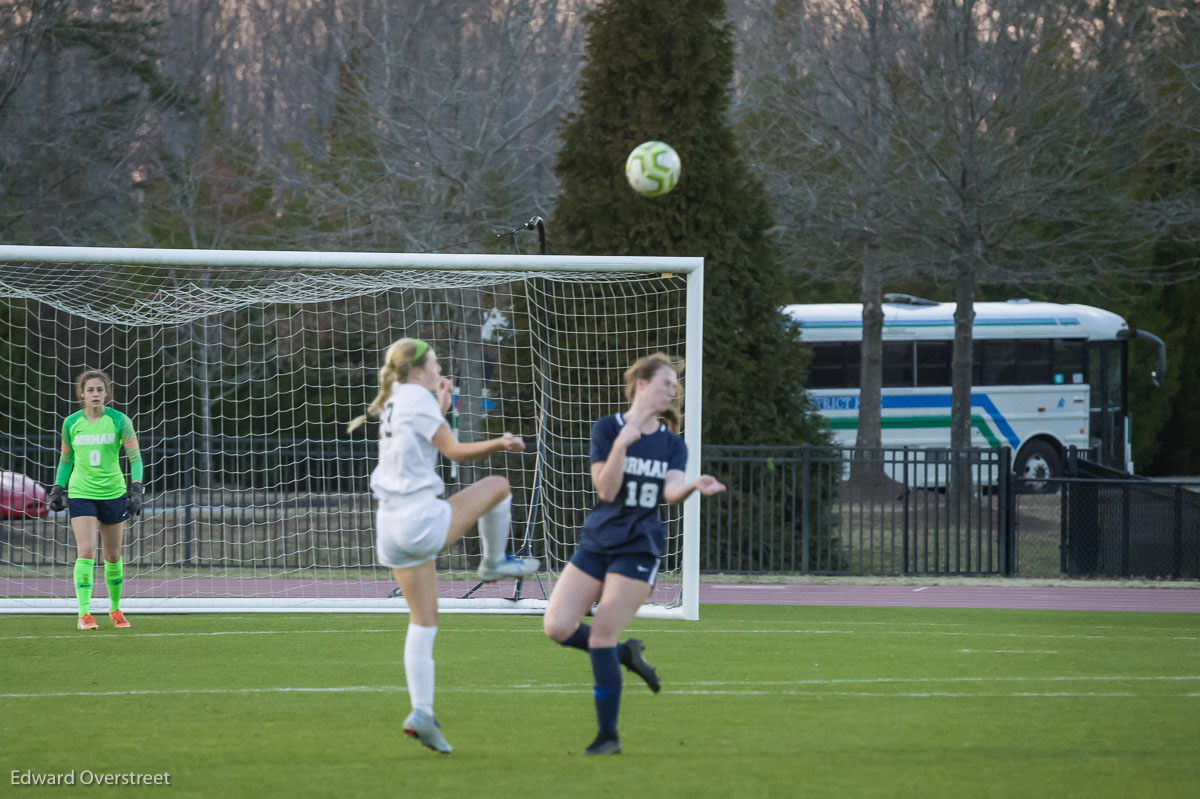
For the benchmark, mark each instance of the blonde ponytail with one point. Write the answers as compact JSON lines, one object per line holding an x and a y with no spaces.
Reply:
{"x":398,"y":361}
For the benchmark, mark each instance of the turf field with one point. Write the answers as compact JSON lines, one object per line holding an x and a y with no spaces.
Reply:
{"x":757,"y":701}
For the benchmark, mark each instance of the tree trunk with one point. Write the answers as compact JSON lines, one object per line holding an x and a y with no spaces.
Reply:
{"x":959,"y":470}
{"x":961,"y":360}
{"x":867,"y":468}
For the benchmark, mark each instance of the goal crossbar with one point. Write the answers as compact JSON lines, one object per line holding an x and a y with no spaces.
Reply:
{"x":138,"y":256}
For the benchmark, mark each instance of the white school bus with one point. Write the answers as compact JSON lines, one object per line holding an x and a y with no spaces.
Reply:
{"x":1045,"y":377}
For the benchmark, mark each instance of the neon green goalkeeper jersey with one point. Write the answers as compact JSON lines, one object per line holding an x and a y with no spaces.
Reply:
{"x":90,"y":466}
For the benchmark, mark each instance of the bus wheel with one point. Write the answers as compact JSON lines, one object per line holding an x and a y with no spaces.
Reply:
{"x":1036,"y":462}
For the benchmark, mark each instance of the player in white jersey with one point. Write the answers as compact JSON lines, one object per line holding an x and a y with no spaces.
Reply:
{"x":414,"y":523}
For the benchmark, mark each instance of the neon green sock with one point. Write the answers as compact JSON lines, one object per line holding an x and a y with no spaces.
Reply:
{"x":114,"y":578}
{"x":83,"y":583}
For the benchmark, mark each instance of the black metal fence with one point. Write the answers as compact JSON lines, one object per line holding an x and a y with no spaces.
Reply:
{"x":838,"y":510}
{"x":792,"y":510}
{"x":1129,"y":528}
{"x":1118,"y":525}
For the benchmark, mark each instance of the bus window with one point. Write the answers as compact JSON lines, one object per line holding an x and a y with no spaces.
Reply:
{"x":933,"y":362}
{"x":999,"y":363}
{"x":834,"y":365}
{"x":1067,"y":363}
{"x":898,"y":364}
{"x":852,"y":359}
{"x":1033,"y":362}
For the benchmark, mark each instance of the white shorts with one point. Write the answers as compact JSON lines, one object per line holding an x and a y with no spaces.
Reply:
{"x":410,"y":532}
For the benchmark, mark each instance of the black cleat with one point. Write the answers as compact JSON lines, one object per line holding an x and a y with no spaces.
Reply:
{"x":631,"y":658}
{"x":605,"y":744}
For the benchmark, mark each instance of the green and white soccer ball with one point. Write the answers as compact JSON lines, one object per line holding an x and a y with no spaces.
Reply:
{"x":653,"y":168}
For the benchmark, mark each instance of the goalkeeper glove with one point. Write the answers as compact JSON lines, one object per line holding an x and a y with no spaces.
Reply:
{"x":57,"y":500}
{"x":133,"y":500}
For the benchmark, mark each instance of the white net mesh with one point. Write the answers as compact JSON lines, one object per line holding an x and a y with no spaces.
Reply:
{"x":240,"y":380}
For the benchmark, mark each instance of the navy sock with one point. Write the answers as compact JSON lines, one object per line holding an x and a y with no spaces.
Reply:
{"x":606,"y":670}
{"x":579,"y":638}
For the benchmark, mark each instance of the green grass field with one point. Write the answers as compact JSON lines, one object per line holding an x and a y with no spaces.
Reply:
{"x":757,"y":701}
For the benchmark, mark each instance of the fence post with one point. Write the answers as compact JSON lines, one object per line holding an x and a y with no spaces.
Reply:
{"x":907,"y":494}
{"x":1008,"y":515}
{"x":1064,"y":521}
{"x":1126,"y":500}
{"x":1177,"y":534}
{"x":805,"y":530}
{"x":1082,"y":537}
{"x":1064,"y":539}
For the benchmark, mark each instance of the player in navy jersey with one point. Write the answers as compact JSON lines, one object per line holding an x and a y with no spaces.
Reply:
{"x":638,"y":462}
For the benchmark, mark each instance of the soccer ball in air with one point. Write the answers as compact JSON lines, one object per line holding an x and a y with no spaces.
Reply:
{"x":653,"y":168}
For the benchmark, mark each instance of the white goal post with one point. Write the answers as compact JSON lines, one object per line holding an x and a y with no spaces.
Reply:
{"x":240,"y":370}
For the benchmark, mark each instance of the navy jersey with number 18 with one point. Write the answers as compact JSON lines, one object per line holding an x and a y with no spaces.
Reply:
{"x":631,"y":523}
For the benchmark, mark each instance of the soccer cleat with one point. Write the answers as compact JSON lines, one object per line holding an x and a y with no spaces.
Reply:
{"x":511,"y":568}
{"x":86,"y":622}
{"x":631,"y":658}
{"x":118,"y":619}
{"x":424,"y":728}
{"x":606,"y":743}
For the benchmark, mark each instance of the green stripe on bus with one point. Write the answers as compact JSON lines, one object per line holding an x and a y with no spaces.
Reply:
{"x":815,"y":325}
{"x":917,"y":422}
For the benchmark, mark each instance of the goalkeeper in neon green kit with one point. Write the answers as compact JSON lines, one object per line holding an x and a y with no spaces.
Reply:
{"x":90,"y":471}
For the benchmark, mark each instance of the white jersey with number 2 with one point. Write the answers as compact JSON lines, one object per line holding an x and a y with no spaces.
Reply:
{"x":407,"y":456}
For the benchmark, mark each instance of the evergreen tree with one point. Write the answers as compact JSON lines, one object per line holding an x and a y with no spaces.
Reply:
{"x":662,"y":69}
{"x":1166,"y":424}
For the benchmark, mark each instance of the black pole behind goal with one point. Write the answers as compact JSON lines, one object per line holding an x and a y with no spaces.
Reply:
{"x":526,"y":548}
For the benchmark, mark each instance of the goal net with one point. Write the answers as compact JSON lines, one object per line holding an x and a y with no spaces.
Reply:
{"x":240,"y":370}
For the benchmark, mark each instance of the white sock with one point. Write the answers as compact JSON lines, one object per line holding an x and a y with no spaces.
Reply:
{"x":418,"y":666}
{"x":494,"y":528}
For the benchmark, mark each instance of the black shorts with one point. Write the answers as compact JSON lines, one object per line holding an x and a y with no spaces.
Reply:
{"x":107,"y":511}
{"x":638,"y":566}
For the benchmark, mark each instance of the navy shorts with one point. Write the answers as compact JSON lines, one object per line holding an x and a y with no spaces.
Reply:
{"x":638,"y":566}
{"x":107,"y":511}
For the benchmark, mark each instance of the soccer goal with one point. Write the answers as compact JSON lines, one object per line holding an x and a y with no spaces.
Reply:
{"x":240,"y":370}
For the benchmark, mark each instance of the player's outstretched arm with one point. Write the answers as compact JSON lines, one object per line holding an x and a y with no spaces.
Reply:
{"x":460,"y":451}
{"x":675,"y":490}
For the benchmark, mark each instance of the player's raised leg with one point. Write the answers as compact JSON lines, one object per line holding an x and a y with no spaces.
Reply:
{"x":575,"y":592}
{"x":489,"y":502}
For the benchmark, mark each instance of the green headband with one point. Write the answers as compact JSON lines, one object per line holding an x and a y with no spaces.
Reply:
{"x":422,"y":348}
